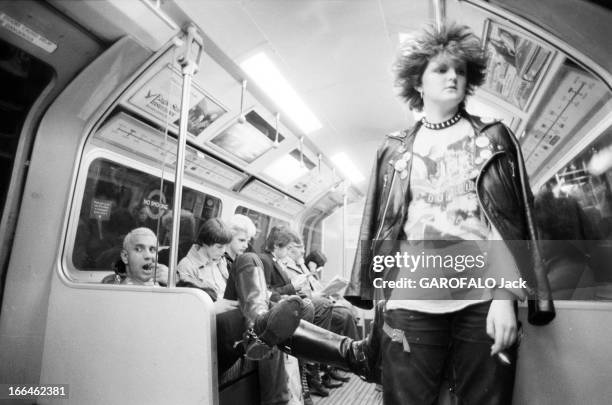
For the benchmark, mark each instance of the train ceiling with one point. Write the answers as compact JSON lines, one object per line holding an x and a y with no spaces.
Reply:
{"x":338,"y":57}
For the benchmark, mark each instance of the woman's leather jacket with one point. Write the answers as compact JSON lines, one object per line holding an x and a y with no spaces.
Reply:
{"x":503,"y":193}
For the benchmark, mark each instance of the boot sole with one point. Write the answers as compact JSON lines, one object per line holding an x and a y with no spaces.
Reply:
{"x":283,"y":321}
{"x":258,"y":351}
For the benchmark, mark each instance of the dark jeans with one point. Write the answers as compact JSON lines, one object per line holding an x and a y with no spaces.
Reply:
{"x":231,"y":326}
{"x":343,"y":322}
{"x":230,"y":329}
{"x":454,"y":346}
{"x":322,"y":316}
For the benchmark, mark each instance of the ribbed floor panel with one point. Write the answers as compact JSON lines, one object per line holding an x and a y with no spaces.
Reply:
{"x":354,"y":392}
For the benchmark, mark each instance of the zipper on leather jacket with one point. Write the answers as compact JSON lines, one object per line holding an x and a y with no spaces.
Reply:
{"x":478,"y":181}
{"x":382,"y":218}
{"x":512,"y":168}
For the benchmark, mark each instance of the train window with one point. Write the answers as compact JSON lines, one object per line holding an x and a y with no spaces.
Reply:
{"x":263,"y":223}
{"x":568,"y":148}
{"x":117,"y":199}
{"x":574,"y":212}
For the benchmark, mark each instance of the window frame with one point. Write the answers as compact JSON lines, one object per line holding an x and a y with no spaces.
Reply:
{"x":92,"y":153}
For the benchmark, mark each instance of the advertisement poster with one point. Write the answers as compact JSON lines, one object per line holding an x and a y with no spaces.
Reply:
{"x":161,"y":97}
{"x":516,"y":64}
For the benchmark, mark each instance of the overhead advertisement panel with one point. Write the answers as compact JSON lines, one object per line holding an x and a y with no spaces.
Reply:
{"x":248,"y":140}
{"x":269,"y":196}
{"x":130,"y":134}
{"x":160,"y":97}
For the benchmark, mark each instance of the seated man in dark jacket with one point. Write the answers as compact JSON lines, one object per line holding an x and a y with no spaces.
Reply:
{"x":283,"y":281}
{"x":342,"y":320}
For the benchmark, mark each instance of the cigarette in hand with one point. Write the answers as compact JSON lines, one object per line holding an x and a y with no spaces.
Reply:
{"x":504,"y":358}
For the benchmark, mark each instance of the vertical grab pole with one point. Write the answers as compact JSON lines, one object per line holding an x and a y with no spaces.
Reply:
{"x":439,"y":9}
{"x":344,"y":216}
{"x":189,"y":59}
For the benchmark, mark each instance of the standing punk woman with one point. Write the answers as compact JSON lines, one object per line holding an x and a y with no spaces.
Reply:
{"x":450,"y":177}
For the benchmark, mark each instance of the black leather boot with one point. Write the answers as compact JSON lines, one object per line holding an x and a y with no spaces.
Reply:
{"x":362,"y":357}
{"x":269,"y":325}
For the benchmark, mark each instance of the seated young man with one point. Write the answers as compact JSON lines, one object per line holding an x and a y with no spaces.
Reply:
{"x":259,"y":299}
{"x":243,"y":230}
{"x":248,"y":277}
{"x":260,"y":279}
{"x":204,"y":266}
{"x":342,"y":319}
{"x":139,"y":259}
{"x":230,"y":321}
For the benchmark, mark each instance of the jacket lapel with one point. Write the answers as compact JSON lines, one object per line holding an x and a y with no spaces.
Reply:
{"x":281,"y":272}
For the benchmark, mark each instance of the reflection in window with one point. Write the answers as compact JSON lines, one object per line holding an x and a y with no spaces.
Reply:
{"x":118,"y":199}
{"x":263,"y":223}
{"x":574,"y":212}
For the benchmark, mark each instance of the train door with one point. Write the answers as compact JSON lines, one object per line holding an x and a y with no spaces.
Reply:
{"x":54,"y":325}
{"x":24,"y":78}
{"x":41,"y":51}
{"x":34,"y":66}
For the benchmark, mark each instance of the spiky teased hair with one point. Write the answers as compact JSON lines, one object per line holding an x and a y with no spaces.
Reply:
{"x":455,"y":40}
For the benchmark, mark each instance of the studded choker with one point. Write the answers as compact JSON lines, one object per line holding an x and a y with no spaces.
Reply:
{"x":441,"y":125}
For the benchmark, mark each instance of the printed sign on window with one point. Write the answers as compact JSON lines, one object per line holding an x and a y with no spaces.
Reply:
{"x":100,"y":209}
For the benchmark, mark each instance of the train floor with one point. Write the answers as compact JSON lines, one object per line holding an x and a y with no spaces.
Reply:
{"x":354,"y":392}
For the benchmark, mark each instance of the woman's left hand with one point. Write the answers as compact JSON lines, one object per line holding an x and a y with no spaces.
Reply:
{"x":223,"y":305}
{"x":501,"y":325}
